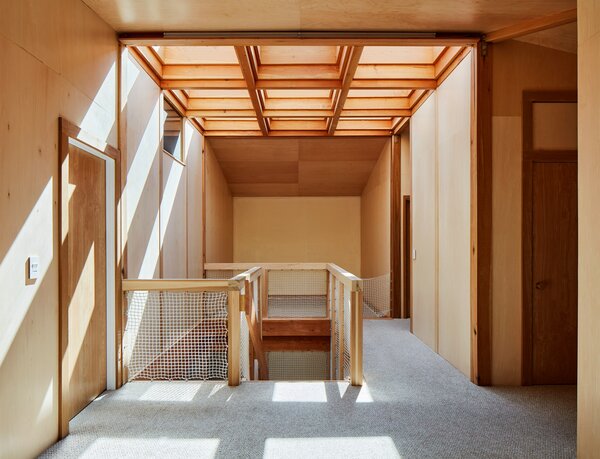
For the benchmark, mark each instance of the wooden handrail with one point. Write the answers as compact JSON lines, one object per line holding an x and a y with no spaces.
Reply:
{"x":349,"y":280}
{"x":192,"y":285}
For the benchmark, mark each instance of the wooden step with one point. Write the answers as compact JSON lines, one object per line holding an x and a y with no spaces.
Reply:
{"x":296,"y":327}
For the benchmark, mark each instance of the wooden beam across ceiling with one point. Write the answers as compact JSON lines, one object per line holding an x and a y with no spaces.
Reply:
{"x":532,"y":25}
{"x":243,"y":54}
{"x":282,"y":91}
{"x":350,"y":70}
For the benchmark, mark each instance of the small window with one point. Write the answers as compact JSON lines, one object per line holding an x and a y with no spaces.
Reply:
{"x":171,"y":125}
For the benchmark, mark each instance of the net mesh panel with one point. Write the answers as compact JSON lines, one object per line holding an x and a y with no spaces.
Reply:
{"x":376,"y":297}
{"x":176,"y":335}
{"x":300,"y":293}
{"x":298,"y":365}
{"x":346,"y":306}
{"x":335,"y":325}
{"x":244,"y":348}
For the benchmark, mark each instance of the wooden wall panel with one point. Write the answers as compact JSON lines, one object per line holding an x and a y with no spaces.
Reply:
{"x":143,"y":155}
{"x":173,"y":218}
{"x":588,"y":393}
{"x":517,"y":66}
{"x":57,"y":67}
{"x":375,"y":217}
{"x":298,"y":229}
{"x":193,"y":160}
{"x":219,"y":212}
{"x":424,"y":213}
{"x":454,"y":201}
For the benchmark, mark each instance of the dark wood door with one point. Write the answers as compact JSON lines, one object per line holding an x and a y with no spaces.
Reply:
{"x":86,"y":279}
{"x":554,"y":273}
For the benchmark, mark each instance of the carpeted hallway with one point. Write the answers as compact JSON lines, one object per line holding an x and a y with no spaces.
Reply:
{"x":414,"y":405}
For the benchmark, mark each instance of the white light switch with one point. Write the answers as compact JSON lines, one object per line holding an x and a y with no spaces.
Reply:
{"x":34,"y":268}
{"x":414,"y":254}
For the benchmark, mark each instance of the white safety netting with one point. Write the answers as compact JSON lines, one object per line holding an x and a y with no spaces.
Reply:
{"x":298,"y":365}
{"x":176,"y":335}
{"x":297,"y":293}
{"x":376,"y":297}
{"x":244,"y":348}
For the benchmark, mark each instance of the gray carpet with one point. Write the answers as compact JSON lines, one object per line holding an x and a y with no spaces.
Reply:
{"x":415,"y":405}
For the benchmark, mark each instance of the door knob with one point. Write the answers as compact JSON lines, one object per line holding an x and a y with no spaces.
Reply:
{"x":540,"y":285}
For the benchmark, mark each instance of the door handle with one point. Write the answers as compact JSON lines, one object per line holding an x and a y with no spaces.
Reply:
{"x":541,"y":285}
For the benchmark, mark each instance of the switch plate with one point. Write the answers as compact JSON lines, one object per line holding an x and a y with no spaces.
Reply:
{"x":414,"y":254}
{"x":34,"y":268}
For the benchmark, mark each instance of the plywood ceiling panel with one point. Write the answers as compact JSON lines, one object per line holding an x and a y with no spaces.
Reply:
{"x":311,"y":166}
{"x":318,"y":15}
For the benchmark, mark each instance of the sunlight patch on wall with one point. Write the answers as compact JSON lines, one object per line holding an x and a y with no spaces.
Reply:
{"x":101,"y":116}
{"x":36,"y":237}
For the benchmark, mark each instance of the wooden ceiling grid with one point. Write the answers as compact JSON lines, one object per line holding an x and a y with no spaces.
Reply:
{"x":271,"y":90}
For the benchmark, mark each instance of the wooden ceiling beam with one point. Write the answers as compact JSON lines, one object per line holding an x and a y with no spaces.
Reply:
{"x":298,"y":104}
{"x":445,"y":59}
{"x":220,"y":104}
{"x":364,"y":125}
{"x":237,"y":125}
{"x":375,"y":103}
{"x":395,"y":71}
{"x":531,"y":26}
{"x":233,"y":133}
{"x":297,"y":113}
{"x":350,"y":70}
{"x":298,"y":125}
{"x":394,"y":84}
{"x":202,"y":84}
{"x":374,"y":113}
{"x":298,"y":72}
{"x":224,"y":113}
{"x":202,"y":72}
{"x":305,"y":38}
{"x":299,"y":84}
{"x":244,"y":58}
{"x":363,"y":132}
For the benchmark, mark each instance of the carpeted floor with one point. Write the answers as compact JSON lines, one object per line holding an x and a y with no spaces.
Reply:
{"x":414,"y":405}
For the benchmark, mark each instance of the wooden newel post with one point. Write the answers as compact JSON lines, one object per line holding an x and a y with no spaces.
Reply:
{"x":233,"y":338}
{"x":356,"y":338}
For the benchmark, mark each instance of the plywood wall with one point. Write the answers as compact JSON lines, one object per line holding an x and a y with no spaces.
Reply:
{"x":424,"y":222}
{"x":173,"y":218}
{"x":193,"y":161}
{"x":143,"y":155}
{"x":53,"y":64}
{"x":375,"y":217}
{"x":588,"y":388}
{"x":219,"y":212}
{"x":298,"y":229}
{"x":163,"y":196}
{"x":517,"y":67}
{"x":440,"y":138}
{"x":454,"y":217}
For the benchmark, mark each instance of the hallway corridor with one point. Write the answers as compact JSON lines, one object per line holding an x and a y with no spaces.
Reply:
{"x":413,"y":405}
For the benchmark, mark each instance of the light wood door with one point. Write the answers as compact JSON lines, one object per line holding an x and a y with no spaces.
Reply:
{"x":554,"y":276}
{"x":86,"y":279}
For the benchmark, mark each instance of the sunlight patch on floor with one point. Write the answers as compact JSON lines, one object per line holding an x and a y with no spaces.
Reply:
{"x":303,"y":392}
{"x":331,"y":447}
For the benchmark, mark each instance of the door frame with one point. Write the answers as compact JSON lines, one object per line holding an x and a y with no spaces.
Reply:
{"x":530,"y":157}
{"x":70,"y":134}
{"x":406,"y":257}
